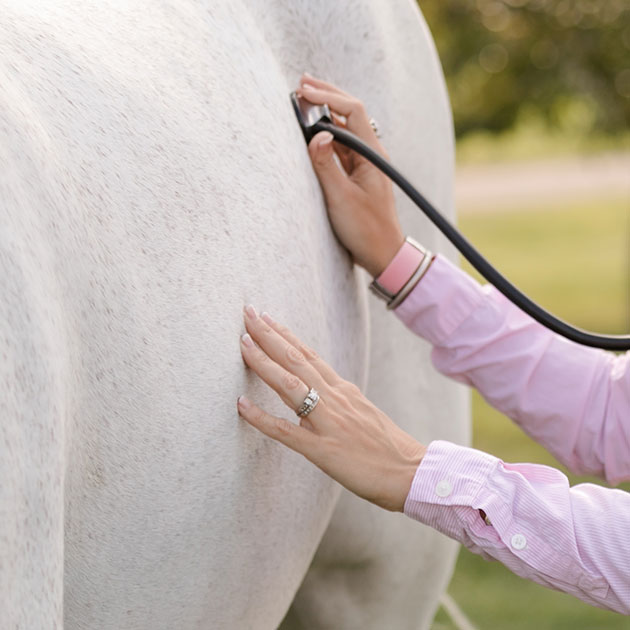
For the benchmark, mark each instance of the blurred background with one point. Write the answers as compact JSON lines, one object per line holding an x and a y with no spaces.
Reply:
{"x":540,"y":91}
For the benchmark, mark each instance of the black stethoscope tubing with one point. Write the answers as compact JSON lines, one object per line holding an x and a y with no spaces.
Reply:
{"x":313,"y":119}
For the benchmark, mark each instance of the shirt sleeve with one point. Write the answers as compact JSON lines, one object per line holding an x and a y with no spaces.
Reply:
{"x":573,"y":400}
{"x":569,"y":539}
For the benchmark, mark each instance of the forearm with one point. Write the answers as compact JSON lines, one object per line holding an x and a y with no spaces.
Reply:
{"x":571,"y":399}
{"x":568,"y":539}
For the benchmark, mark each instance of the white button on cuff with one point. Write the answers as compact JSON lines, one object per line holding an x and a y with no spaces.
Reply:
{"x":443,"y":488}
{"x":519,"y":541}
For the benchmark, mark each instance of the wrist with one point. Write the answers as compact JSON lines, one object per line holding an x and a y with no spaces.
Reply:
{"x":408,"y":475}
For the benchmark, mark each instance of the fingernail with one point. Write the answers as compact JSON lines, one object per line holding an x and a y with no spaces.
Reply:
{"x":307,"y":74}
{"x":243,"y":402}
{"x":325,"y":137}
{"x":250,"y":311}
{"x":265,"y":316}
{"x":308,"y":86}
{"x":247,"y":340}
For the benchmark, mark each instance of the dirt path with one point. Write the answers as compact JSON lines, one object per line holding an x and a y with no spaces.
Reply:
{"x":493,"y":187}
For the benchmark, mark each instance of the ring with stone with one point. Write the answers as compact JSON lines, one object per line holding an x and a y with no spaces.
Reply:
{"x":374,"y":126}
{"x":310,"y":402}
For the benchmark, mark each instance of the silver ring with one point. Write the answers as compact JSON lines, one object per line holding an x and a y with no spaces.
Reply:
{"x":374,"y":126}
{"x":310,"y":402}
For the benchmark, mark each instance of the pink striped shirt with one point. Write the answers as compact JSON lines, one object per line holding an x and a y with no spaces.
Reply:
{"x":573,"y":400}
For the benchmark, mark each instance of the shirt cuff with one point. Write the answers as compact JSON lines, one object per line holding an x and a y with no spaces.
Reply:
{"x":441,"y":301}
{"x":445,"y":490}
{"x":531,"y":531}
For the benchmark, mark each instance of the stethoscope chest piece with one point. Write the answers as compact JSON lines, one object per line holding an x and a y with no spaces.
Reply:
{"x":309,"y":114}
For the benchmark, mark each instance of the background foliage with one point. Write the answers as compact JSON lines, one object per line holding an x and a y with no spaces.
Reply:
{"x":563,"y":62}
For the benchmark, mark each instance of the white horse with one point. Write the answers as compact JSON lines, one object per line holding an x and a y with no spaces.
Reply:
{"x":153,"y":180}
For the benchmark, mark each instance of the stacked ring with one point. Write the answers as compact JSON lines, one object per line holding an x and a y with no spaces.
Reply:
{"x":374,"y":126}
{"x":310,"y":402}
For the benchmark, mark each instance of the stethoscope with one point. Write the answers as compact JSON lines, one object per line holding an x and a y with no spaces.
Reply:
{"x":316,"y":118}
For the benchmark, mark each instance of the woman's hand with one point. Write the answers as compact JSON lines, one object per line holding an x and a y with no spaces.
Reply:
{"x":345,"y":435}
{"x":360,"y":201}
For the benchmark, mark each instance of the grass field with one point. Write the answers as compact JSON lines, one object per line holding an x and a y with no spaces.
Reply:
{"x":532,"y":140}
{"x":575,"y":261}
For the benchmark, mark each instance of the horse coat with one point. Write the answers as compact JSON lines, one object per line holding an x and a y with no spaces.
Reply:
{"x":153,"y":180}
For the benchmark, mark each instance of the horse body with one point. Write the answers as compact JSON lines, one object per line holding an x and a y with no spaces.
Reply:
{"x":154,"y":180}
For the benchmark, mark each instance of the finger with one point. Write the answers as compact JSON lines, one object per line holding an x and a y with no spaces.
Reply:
{"x":346,"y":155}
{"x":307,"y":424}
{"x":336,"y":184}
{"x":320,"y":83}
{"x":357,"y":120}
{"x":292,"y":435}
{"x":328,"y":373}
{"x":280,"y":350}
{"x":291,"y":389}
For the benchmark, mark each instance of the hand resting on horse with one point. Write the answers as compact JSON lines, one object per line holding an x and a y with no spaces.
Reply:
{"x":345,"y":435}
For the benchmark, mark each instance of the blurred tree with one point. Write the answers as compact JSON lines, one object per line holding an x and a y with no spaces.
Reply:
{"x":566,"y":62}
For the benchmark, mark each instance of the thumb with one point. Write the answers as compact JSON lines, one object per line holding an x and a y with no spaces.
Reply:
{"x":331,"y":178}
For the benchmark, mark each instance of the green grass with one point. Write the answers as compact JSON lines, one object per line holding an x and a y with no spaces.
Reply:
{"x":573,"y":259}
{"x":532,"y":140}
{"x":575,"y":262}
